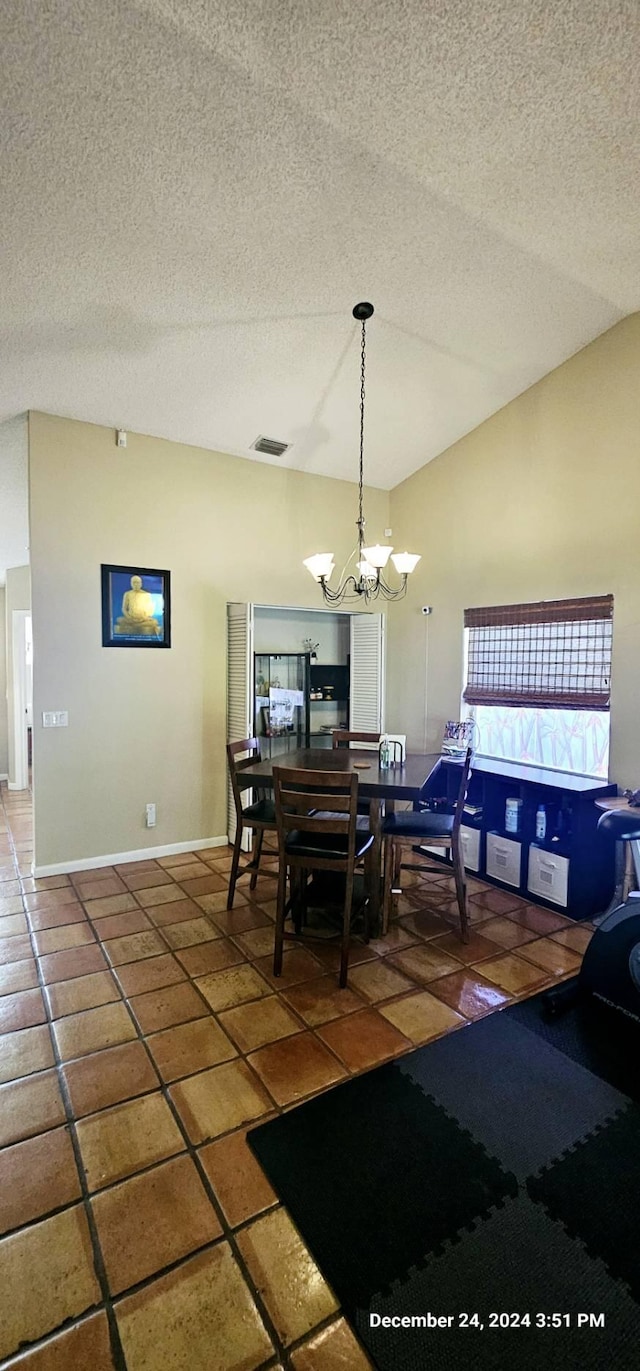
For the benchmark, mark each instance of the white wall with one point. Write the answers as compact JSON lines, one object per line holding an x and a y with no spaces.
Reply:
{"x":284,"y":630}
{"x":149,"y":726}
{"x":18,"y":596}
{"x":4,"y":742}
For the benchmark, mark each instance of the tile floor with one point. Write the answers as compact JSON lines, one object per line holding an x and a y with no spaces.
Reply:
{"x":142,"y":1032}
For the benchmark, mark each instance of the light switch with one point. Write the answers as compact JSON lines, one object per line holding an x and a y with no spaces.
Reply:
{"x":55,"y":718}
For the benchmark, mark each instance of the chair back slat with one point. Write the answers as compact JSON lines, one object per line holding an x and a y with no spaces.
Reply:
{"x":462,"y":791}
{"x":342,"y":737}
{"x":248,"y":750}
{"x":299,"y":795}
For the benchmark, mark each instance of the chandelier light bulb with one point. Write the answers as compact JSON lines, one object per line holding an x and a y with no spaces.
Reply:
{"x":321,"y":565}
{"x":367,"y":571}
{"x":378,"y":556}
{"x":405,"y":562}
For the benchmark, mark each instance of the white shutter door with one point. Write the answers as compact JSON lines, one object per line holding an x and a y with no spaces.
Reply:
{"x":366,"y":695}
{"x":239,"y":688}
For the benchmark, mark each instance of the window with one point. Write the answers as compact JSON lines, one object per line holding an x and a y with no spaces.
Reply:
{"x":538,"y":680}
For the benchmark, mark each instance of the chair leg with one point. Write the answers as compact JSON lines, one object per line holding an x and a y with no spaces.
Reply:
{"x":257,"y":853}
{"x":346,"y":931}
{"x":389,"y":869}
{"x":233,"y":874}
{"x":461,"y":892}
{"x":280,"y":917}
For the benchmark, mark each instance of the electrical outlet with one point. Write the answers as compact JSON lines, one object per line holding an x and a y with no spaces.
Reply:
{"x":55,"y":718}
{"x":151,"y":816}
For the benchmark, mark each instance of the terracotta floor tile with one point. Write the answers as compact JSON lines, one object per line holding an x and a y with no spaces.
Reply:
{"x":152,"y":1220}
{"x":76,"y":961}
{"x":296,"y":1295}
{"x":61,"y":938}
{"x":159,"y":895}
{"x":363,"y":1040}
{"x":173,"y":912}
{"x":146,"y":879}
{"x":84,"y":1345}
{"x":110,"y":904}
{"x":421,"y":1017}
{"x":10,"y":924}
{"x":424,"y":964}
{"x":15,"y":949}
{"x":21,"y":1010}
{"x":239,"y":919}
{"x":507,"y":933}
{"x":187,"y":871}
{"x":264,"y":1021}
{"x":298,"y":965}
{"x":9,"y":888}
{"x":23,"y":1053}
{"x":37,"y":1176}
{"x":45,"y":882}
{"x":395,"y":939}
{"x":190,"y":1047}
{"x":162,"y":1008}
{"x":127,"y":1138}
{"x":424,"y":924}
{"x":62,"y":1283}
{"x":319,"y":1001}
{"x":513,"y":973}
{"x":93,"y":1029}
{"x":477,"y":947}
{"x":542,"y":921}
{"x":18,"y":976}
{"x":207,"y":957}
{"x":327,"y":954}
{"x":498,"y":901}
{"x":333,"y":1349}
{"x":551,"y":955}
{"x":296,"y":1067}
{"x":215,"y":1101}
{"x":189,"y":932}
{"x":151,"y":974}
{"x":175,"y":859}
{"x":134,"y":948}
{"x":469,"y":993}
{"x":379,"y":980}
{"x":134,"y":868}
{"x":60,"y":917}
{"x":204,"y":885}
{"x":176,"y":1320}
{"x":578,"y":938}
{"x":99,"y":873}
{"x":93,"y":889}
{"x":52,"y":899}
{"x":85,"y":992}
{"x":109,"y":1077}
{"x":118,"y":925}
{"x":256,"y":942}
{"x":238,"y":1180}
{"x":217,"y":902}
{"x":223,"y":989}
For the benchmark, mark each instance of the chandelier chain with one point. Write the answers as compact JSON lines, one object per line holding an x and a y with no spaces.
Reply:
{"x":361,"y":478}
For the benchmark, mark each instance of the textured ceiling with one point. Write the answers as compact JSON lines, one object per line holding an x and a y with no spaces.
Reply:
{"x":196,"y":193}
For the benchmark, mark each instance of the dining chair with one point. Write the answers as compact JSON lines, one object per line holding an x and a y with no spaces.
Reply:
{"x":412,"y":829}
{"x":342,"y":737}
{"x":259,"y":816}
{"x":318,"y":830}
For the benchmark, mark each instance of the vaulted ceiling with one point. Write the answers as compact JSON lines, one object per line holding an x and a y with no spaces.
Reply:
{"x":196,"y":192}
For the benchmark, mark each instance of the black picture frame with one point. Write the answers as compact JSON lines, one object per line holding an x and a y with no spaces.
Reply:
{"x":135,"y":615}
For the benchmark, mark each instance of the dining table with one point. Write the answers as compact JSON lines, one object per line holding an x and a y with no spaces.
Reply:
{"x":399,"y":781}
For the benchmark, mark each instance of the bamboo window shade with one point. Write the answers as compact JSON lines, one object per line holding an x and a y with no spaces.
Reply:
{"x":554,"y":654}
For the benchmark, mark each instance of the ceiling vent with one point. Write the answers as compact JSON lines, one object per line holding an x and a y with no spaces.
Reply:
{"x":270,"y":446}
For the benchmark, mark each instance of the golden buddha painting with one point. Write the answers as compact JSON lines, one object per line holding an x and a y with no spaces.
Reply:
{"x":135,"y":607}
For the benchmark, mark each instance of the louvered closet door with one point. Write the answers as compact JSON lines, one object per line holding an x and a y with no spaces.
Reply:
{"x":366,"y":713}
{"x":239,"y":691}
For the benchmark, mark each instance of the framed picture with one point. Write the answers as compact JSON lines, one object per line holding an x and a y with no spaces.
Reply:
{"x":136,"y":607}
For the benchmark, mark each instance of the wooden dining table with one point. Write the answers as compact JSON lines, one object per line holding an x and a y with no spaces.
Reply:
{"x":375,"y":783}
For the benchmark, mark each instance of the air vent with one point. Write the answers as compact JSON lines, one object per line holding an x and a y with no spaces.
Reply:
{"x":270,"y":446}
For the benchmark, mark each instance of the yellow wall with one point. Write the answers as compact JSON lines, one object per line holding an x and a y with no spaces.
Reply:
{"x":150,"y":726}
{"x":541,"y":502}
{"x":17,"y":596}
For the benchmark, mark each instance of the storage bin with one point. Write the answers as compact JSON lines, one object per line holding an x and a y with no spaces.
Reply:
{"x":470,"y":843}
{"x":503,"y":859}
{"x":548,"y":875}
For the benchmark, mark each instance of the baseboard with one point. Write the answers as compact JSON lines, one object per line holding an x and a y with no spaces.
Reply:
{"x":12,"y":785}
{"x":4,"y":776}
{"x":118,"y":858}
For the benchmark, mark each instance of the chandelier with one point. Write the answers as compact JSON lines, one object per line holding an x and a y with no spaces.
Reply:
{"x":370,"y":583}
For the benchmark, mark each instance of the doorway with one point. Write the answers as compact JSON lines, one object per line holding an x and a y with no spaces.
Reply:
{"x":22,"y":698}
